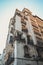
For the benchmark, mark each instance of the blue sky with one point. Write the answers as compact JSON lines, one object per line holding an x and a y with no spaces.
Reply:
{"x":7,"y":10}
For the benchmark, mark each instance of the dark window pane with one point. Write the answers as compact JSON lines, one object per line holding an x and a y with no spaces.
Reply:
{"x":11,"y":39}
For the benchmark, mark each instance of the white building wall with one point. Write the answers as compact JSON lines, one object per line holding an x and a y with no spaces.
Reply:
{"x":18,"y":23}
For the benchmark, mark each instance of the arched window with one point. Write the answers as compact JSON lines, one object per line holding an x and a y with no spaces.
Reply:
{"x":26,"y":49}
{"x":26,"y":53}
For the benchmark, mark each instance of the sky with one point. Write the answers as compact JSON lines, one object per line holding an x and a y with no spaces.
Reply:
{"x":7,"y":10}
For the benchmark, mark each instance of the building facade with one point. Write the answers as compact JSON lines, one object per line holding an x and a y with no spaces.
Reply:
{"x":24,"y":45}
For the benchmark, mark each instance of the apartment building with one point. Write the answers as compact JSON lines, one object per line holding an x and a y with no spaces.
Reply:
{"x":24,"y":45}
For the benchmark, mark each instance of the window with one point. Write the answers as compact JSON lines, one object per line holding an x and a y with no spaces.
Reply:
{"x":31,"y":42}
{"x":28,"y":39}
{"x":26,"y":53}
{"x":40,"y":43}
{"x":26,"y":49}
{"x":38,"y":52}
{"x":11,"y":39}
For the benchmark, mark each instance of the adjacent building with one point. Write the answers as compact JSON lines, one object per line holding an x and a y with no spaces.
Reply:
{"x":24,"y":45}
{"x":0,"y":59}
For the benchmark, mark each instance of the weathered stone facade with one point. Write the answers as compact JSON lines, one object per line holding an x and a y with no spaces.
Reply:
{"x":24,"y":44}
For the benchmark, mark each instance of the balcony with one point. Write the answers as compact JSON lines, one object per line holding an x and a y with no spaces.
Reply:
{"x":38,"y":37}
{"x":41,"y":26}
{"x":30,"y":52}
{"x":37,"y":32}
{"x":9,"y":61}
{"x":24,"y":29}
{"x":34,"y":28}
{"x":40,"y":43}
{"x":23,"y":22}
{"x":19,"y":37}
{"x":34,"y":25}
